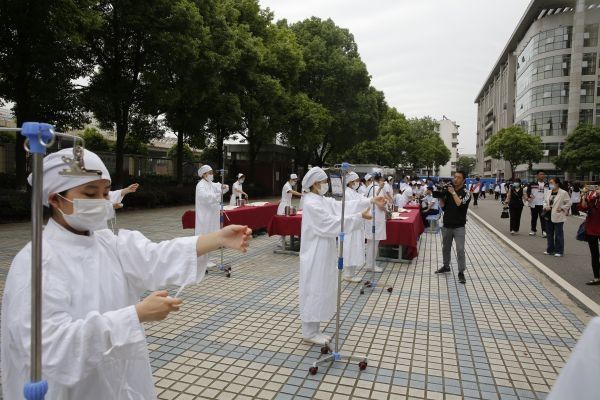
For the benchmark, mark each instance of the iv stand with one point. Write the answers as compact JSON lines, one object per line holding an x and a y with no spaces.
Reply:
{"x":336,"y":355}
{"x":222,"y":266}
{"x":40,"y":136}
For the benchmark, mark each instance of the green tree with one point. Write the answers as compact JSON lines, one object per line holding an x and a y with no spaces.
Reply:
{"x":336,"y":78}
{"x":41,"y":56}
{"x":187,"y":154}
{"x":466,"y":164}
{"x":122,"y":47}
{"x":515,"y":146}
{"x":581,"y":152}
{"x":94,"y":140}
{"x":433,"y":152}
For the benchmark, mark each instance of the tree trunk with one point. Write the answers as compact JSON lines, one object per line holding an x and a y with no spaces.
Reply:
{"x":117,"y":181}
{"x":180,"y":159}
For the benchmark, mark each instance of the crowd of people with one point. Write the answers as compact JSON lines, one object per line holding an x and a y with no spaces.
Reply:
{"x":551,"y":202}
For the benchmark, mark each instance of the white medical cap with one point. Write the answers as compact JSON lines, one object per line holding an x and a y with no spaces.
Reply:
{"x":315,"y":174}
{"x":240,"y":175}
{"x":293,"y":176}
{"x":351,"y":177}
{"x":390,"y":178}
{"x":204,"y":169}
{"x":56,"y":183}
{"x":368,"y":177}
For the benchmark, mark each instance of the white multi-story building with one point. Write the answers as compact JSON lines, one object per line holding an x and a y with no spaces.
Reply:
{"x":448,"y":130}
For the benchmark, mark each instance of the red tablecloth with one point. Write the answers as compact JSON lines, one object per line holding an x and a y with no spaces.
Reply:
{"x":412,"y":207}
{"x":399,"y":232}
{"x":405,"y":232}
{"x":255,"y":217}
{"x":285,"y":225}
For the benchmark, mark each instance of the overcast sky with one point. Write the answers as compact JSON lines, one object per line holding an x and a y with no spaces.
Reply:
{"x":429,"y":57}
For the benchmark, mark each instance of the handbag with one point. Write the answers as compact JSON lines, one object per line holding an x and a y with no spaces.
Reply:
{"x":505,"y":214}
{"x":546,"y":215}
{"x":581,"y":233}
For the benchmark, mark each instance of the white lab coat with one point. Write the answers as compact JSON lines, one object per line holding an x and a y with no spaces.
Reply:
{"x":234,"y":194}
{"x":362,"y":189}
{"x":286,"y":198}
{"x":579,"y":377}
{"x":318,"y":252}
{"x":354,"y":241}
{"x":94,"y":346}
{"x":380,"y":222}
{"x":388,"y":189}
{"x":115,"y":196}
{"x":208,"y":207}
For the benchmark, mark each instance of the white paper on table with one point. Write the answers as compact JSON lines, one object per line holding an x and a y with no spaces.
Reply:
{"x":229,"y":208}
{"x":258,"y":203}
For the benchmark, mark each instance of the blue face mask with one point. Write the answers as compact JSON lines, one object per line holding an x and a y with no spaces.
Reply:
{"x":516,"y":185}
{"x":551,"y":186}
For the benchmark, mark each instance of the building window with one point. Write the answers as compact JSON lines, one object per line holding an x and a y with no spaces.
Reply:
{"x":587,"y":91}
{"x":546,"y":68}
{"x":586,"y":117}
{"x":546,"y":123}
{"x":544,"y":95}
{"x":488,"y":166}
{"x":551,"y":151}
{"x":588,"y":65}
{"x":590,"y":36}
{"x":553,"y":39}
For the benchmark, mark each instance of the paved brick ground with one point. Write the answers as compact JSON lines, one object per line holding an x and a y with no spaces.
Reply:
{"x":503,"y":335}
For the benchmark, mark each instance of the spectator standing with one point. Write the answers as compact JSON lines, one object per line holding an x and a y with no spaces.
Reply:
{"x":503,"y":191}
{"x":590,"y":203}
{"x":535,"y":197}
{"x":475,"y":190}
{"x":497,"y":190}
{"x":575,"y":191}
{"x":556,"y":205}
{"x":455,"y":203}
{"x":515,"y":205}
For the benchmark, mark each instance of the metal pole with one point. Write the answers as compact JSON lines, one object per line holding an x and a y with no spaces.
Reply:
{"x":340,"y":260}
{"x":36,"y":268}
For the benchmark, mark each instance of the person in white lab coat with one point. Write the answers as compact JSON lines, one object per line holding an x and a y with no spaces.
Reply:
{"x":354,"y":241}
{"x":388,"y":187}
{"x":363,"y":188}
{"x":374,"y":190}
{"x":93,"y":341}
{"x":116,"y":196}
{"x":208,"y":204}
{"x":320,"y":228}
{"x":237,"y":192}
{"x":286,"y":200}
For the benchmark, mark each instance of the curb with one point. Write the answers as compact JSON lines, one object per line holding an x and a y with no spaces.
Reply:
{"x":588,"y":304}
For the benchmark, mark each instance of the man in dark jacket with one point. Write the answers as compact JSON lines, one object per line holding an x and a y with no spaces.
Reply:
{"x":455,"y":203}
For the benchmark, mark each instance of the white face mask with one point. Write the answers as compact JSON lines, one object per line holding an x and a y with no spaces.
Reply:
{"x":355,"y":185}
{"x":89,"y":214}
{"x":242,"y":180}
{"x":210,"y":177}
{"x":324,"y":188}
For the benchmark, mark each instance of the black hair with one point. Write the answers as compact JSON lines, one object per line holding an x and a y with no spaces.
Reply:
{"x":556,"y":180}
{"x":541,"y":170}
{"x":464,"y":175}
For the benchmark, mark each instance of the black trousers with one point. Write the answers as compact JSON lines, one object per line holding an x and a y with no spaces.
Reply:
{"x":475,"y":197}
{"x":515,"y":217}
{"x":536,"y":212}
{"x":595,"y":253}
{"x":503,"y":197}
{"x":482,"y":194}
{"x":574,"y":209}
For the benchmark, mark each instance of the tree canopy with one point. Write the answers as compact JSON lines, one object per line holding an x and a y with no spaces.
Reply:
{"x":581,"y":152}
{"x":516,"y":146}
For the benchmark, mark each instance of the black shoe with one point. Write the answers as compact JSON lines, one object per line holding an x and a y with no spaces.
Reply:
{"x":594,"y":282}
{"x":461,"y":277}
{"x":443,"y":270}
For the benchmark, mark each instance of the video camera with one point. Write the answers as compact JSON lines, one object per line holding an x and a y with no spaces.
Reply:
{"x":440,"y":190}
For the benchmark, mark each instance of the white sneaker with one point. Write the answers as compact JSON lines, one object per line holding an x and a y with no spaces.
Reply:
{"x":211,"y":264}
{"x":512,"y":232}
{"x":546,"y":253}
{"x":558,"y":255}
{"x":377,"y":269}
{"x":544,"y":234}
{"x":317,"y":339}
{"x":531,"y":233}
{"x":353,"y":279}
{"x":326,"y":337}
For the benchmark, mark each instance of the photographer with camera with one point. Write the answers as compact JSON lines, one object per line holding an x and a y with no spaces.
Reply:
{"x":454,"y":199}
